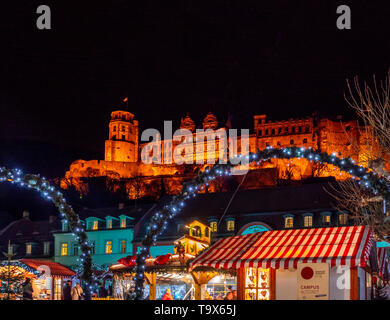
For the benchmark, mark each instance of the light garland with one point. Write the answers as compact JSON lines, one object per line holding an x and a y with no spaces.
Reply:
{"x":49,"y":192}
{"x":159,"y":221}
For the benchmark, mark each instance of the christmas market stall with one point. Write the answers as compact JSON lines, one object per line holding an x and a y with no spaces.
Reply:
{"x":298,"y":264}
{"x":169,"y":272}
{"x":47,"y":277}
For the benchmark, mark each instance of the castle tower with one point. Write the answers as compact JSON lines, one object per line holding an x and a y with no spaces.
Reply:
{"x":210,"y":122}
{"x":187,"y":123}
{"x":122,"y":143}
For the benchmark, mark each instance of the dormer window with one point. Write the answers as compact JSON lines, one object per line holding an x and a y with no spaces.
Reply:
{"x":65,"y":226}
{"x":288,"y":221}
{"x":343,"y":219}
{"x":95,"y":225}
{"x":308,"y":220}
{"x":213,"y":226}
{"x":123,"y":223}
{"x":230,"y":225}
{"x":326,"y":218}
{"x":109,"y":224}
{"x":29,"y":248}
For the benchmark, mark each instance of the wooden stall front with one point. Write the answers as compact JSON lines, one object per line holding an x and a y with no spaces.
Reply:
{"x":297,"y":264}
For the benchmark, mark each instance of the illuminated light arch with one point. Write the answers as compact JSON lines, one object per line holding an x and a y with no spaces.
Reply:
{"x":48,"y":192}
{"x":253,"y":227}
{"x":159,"y":221}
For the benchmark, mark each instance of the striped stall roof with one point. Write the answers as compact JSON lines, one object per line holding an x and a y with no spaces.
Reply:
{"x":55,"y":268}
{"x":286,"y":248}
{"x":226,"y":251}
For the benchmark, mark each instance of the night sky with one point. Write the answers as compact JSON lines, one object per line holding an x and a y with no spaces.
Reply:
{"x":283,"y":58}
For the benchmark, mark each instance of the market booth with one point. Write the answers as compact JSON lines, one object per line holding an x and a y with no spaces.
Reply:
{"x":298,"y":264}
{"x":47,"y":277}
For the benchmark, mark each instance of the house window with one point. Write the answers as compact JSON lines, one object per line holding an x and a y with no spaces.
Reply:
{"x":288,"y":222}
{"x":108,"y":247}
{"x":257,"y":284}
{"x":64,"y":249}
{"x":109,"y":224}
{"x":92,"y":246}
{"x":123,"y":223}
{"x":28,"y":248}
{"x":64,"y":226}
{"x":343,"y":219}
{"x":75,"y":249}
{"x":46,"y":248}
{"x":213,"y":226}
{"x":123,"y":246}
{"x":308,"y":221}
{"x":230,"y":225}
{"x":95,"y":225}
{"x":326,"y":219}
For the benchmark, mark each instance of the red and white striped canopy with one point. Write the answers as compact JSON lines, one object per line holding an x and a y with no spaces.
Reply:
{"x":382,"y":254}
{"x":286,"y":248}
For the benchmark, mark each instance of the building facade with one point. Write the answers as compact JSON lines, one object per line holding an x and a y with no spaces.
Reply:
{"x":110,"y":233}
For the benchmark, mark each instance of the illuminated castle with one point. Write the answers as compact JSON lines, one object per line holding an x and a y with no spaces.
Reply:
{"x":123,"y":151}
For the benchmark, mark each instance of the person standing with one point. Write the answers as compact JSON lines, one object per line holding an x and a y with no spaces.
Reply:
{"x":77,"y":292}
{"x":66,"y":291}
{"x":102,"y":292}
{"x":27,"y":290}
{"x":167,"y":295}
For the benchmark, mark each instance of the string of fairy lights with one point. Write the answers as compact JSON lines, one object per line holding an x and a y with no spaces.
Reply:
{"x":50,"y":193}
{"x":159,"y":221}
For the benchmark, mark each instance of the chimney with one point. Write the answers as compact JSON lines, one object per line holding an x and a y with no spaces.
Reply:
{"x":121,"y":205}
{"x":52,"y":219}
{"x":26,"y":214}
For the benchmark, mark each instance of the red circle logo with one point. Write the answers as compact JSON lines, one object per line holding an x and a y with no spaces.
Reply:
{"x":307,"y":273}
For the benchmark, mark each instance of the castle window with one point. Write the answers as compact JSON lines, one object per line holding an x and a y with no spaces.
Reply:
{"x":286,"y":130}
{"x":273,"y":131}
{"x":266,"y":132}
{"x":114,"y":129}
{"x":291,"y":141}
{"x":307,"y":129}
{"x":299,"y":129}
{"x":123,"y":128}
{"x":259,"y":132}
{"x":305,"y":140}
{"x":279,"y":130}
{"x":123,"y":137}
{"x":293,"y":129}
